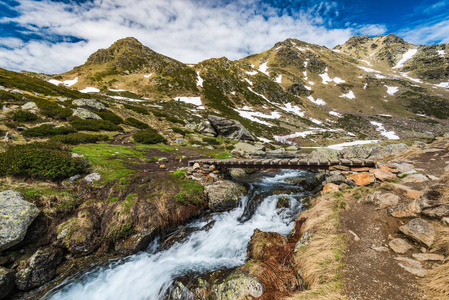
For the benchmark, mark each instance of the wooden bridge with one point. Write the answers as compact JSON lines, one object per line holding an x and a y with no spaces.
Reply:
{"x":284,"y":163}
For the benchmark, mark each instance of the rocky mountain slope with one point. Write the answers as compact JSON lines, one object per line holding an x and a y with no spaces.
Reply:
{"x":367,"y":88}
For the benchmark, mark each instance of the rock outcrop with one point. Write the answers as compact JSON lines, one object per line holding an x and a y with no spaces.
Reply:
{"x":6,"y":282}
{"x":85,"y":114}
{"x":90,"y":104}
{"x":230,"y":129}
{"x":420,"y":231}
{"x":16,"y":215}
{"x":224,"y":195}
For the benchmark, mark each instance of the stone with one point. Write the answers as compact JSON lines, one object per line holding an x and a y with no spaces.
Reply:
{"x":9,"y":136}
{"x":428,"y":257}
{"x":437,"y":212}
{"x":6,"y":282}
{"x":379,"y":152}
{"x":405,"y":209}
{"x":76,"y":155}
{"x":358,"y":151}
{"x":383,"y":174}
{"x":339,"y":168}
{"x":420,"y":231}
{"x":330,"y":188}
{"x":324,"y":153}
{"x":29,"y":105}
{"x":249,"y":149}
{"x":90,"y":104}
{"x":412,"y":266}
{"x":85,"y":114}
{"x":230,"y":129}
{"x":363,"y":169}
{"x":336,"y":179}
{"x":362,"y":179}
{"x":445,"y":221}
{"x":180,"y":141}
{"x":205,"y":127}
{"x":238,"y":285}
{"x":407,"y":192}
{"x":28,"y":278}
{"x":400,"y":246}
{"x":382,"y":200}
{"x":224,"y":195}
{"x":47,"y":258}
{"x":292,"y":148}
{"x":16,"y":215}
{"x":380,"y":249}
{"x":92,"y":177}
{"x":415,"y":178}
{"x":404,"y":168}
{"x":135,"y":243}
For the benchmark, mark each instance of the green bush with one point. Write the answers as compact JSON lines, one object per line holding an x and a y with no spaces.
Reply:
{"x":136,"y":123}
{"x":40,"y":160}
{"x":52,"y":109}
{"x":79,"y":138}
{"x":93,"y":125}
{"x":47,"y":130}
{"x":211,"y":141}
{"x":179,"y":130}
{"x":24,"y":116}
{"x":148,"y":136}
{"x":110,"y":116}
{"x":174,"y":120}
{"x":136,"y":109}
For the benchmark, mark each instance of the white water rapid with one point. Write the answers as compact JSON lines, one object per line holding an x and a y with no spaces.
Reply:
{"x":223,"y":244}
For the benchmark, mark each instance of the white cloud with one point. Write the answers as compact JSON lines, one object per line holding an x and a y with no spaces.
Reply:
{"x":182,"y":29}
{"x":372,"y":29}
{"x":434,"y":32}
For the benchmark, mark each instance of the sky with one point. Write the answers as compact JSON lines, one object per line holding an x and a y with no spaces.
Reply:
{"x":53,"y":36}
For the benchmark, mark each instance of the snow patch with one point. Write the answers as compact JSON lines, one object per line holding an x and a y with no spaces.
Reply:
{"x":336,"y":50}
{"x":317,"y":101}
{"x":442,"y":53}
{"x":318,"y":122}
{"x":252,"y":73}
{"x":126,"y":99}
{"x":391,"y":135}
{"x":288,"y":107}
{"x":349,"y":95}
{"x":285,"y":138}
{"x":260,"y":95}
{"x":405,"y":75}
{"x":443,"y":85}
{"x":365,"y":85}
{"x":278,"y":79}
{"x":366,"y":62}
{"x":336,"y":114}
{"x":405,"y":58}
{"x":391,"y":90}
{"x":191,"y":100}
{"x":149,"y":75}
{"x":348,"y":144}
{"x":263,"y":68}
{"x":199,"y":80}
{"x":247,"y":80}
{"x":117,"y":91}
{"x":90,"y":89}
{"x":264,"y":140}
{"x":369,"y":70}
{"x":65,"y":82}
{"x":253,"y":116}
{"x":379,"y":76}
{"x":326,"y":79}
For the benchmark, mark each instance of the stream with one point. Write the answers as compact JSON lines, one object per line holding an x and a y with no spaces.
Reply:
{"x":217,"y":241}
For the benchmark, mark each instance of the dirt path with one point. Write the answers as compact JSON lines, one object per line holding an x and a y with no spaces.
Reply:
{"x":370,"y":270}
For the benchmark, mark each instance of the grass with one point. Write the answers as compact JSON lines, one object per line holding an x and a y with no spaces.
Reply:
{"x":222,"y":155}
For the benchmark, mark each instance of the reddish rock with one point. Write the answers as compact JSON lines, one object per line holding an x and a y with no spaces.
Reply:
{"x":330,"y":188}
{"x":364,"y":169}
{"x":383,"y":174}
{"x":362,"y":178}
{"x":407,"y":192}
{"x":338,"y":168}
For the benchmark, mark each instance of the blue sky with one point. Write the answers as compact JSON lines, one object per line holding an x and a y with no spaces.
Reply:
{"x":53,"y":36}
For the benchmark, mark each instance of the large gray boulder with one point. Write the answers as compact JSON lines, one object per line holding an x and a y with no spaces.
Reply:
{"x":420,"y":231}
{"x":16,"y":215}
{"x":28,"y":278}
{"x":47,"y":258}
{"x":379,"y":152}
{"x":90,"y":104}
{"x":230,"y":129}
{"x":246,"y":148}
{"x":325,"y":153}
{"x":358,"y":151}
{"x":85,"y":114}
{"x":6,"y":282}
{"x":206,"y":128}
{"x":29,"y":106}
{"x":224,"y":195}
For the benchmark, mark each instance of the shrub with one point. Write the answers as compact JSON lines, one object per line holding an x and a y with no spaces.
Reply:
{"x":79,"y":138}
{"x":40,"y":160}
{"x":136,"y":109}
{"x":174,"y":120}
{"x":136,"y":123}
{"x":179,"y":130}
{"x":47,"y":130}
{"x":110,"y":116}
{"x":211,"y":141}
{"x":148,"y":136}
{"x":93,"y":125}
{"x":24,"y":116}
{"x":52,"y":109}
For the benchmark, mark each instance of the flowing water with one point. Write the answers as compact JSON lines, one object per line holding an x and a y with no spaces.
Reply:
{"x":220,"y":244}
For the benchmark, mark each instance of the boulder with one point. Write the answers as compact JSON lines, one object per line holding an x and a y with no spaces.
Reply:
{"x":379,"y":152}
{"x":382,"y":200}
{"x":135,"y":243}
{"x":404,"y":168}
{"x":438,"y":212}
{"x":245,"y":148}
{"x":358,"y":151}
{"x":92,"y":177}
{"x":412,"y":266}
{"x":28,"y":278}
{"x":324,"y":153}
{"x":9,"y":136}
{"x":428,"y":257}
{"x":30,"y":106}
{"x":407,"y":192}
{"x":85,"y":114}
{"x":16,"y":215}
{"x":206,"y":128}
{"x":400,"y":246}
{"x":336,"y":179}
{"x":47,"y":258}
{"x":6,"y":282}
{"x":238,"y":285}
{"x":383,"y":174}
{"x":330,"y":188}
{"x":405,"y":209}
{"x":224,"y":195}
{"x":230,"y":129}
{"x":362,"y":179}
{"x":90,"y":104}
{"x":420,"y":231}
{"x":415,"y":178}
